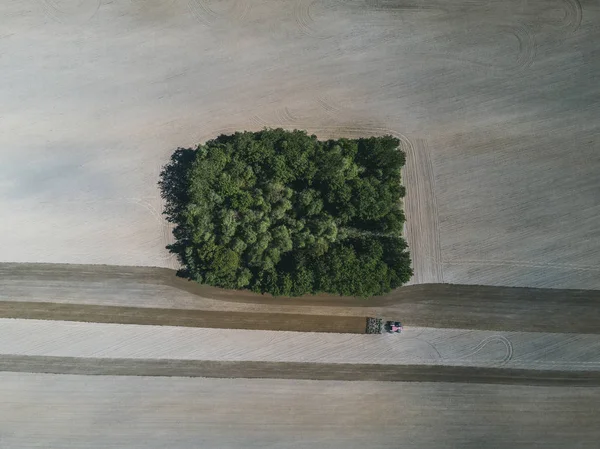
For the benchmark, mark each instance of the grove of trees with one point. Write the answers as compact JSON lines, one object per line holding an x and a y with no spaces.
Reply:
{"x":281,"y":212}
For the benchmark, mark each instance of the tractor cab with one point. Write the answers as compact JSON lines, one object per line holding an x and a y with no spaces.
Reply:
{"x":393,"y":327}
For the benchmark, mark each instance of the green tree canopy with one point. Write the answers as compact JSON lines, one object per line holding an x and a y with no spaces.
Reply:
{"x":281,"y":212}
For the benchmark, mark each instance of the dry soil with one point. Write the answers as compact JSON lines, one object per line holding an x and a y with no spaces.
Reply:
{"x":496,"y":104}
{"x":73,"y":411}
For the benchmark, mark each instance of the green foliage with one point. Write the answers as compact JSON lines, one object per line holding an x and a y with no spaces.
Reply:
{"x":281,"y":212}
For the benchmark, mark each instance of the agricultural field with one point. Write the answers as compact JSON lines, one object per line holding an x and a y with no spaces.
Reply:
{"x":495,"y":103}
{"x":416,"y":346}
{"x":74,"y":411}
{"x":74,"y":292}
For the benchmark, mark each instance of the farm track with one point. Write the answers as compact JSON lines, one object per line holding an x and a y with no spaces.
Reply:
{"x":287,"y":370}
{"x":23,"y":287}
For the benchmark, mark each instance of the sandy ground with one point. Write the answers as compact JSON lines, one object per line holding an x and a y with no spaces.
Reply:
{"x":151,"y":413}
{"x":23,"y":287}
{"x":496,"y":104}
{"x":415,"y":346}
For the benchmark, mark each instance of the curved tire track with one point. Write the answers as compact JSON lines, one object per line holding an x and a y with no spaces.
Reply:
{"x":165,"y":227}
{"x":527,"y":49}
{"x":285,"y":117}
{"x":282,"y":117}
{"x":258,"y":121}
{"x":328,"y":105}
{"x":573,"y":14}
{"x":505,"y":341}
{"x":527,"y":45}
{"x":83,"y":12}
{"x":156,"y":6}
{"x":205,"y":14}
{"x":305,"y":20}
{"x":436,"y":353}
{"x":525,"y":37}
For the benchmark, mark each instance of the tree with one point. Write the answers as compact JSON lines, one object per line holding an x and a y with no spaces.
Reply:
{"x":281,"y":212}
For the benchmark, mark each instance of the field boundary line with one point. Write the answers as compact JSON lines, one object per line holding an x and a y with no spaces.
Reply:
{"x":294,"y":370}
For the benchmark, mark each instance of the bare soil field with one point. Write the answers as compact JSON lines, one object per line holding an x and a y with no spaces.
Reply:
{"x":135,"y":288}
{"x":415,"y":346}
{"x":496,"y":104}
{"x":73,"y":411}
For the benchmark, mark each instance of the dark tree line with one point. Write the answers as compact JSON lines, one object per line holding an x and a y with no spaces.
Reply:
{"x":281,"y":212}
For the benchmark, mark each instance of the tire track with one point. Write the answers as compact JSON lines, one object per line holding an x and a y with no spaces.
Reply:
{"x":547,"y":349}
{"x":166,"y":228}
{"x":81,"y":13}
{"x":285,"y":117}
{"x":519,"y":263}
{"x":486,"y":341}
{"x":437,"y":356}
{"x":154,"y":6}
{"x":527,"y":45}
{"x":258,"y":121}
{"x":165,"y":232}
{"x":573,"y":14}
{"x":281,"y":117}
{"x":203,"y":138}
{"x":305,"y":20}
{"x":204,"y":13}
{"x":467,"y":358}
{"x":423,"y":5}
{"x":526,"y":53}
{"x":422,"y":226}
{"x":328,"y":105}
